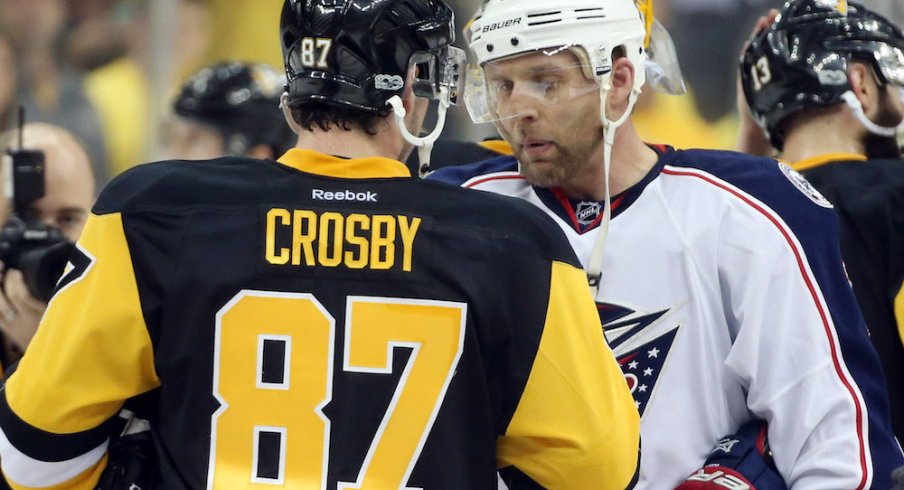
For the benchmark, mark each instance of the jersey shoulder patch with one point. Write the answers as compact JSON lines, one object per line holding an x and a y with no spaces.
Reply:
{"x":803,"y":185}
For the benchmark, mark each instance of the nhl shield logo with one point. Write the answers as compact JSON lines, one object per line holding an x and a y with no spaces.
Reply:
{"x":587,"y":212}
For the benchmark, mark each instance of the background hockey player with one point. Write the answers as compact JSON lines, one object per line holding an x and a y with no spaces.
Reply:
{"x":826,"y":85}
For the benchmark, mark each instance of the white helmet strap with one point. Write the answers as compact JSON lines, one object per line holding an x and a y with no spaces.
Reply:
{"x":857,"y":109}
{"x":595,"y":265}
{"x":424,"y":144}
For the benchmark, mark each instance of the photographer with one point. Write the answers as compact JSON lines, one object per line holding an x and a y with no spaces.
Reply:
{"x":69,"y":193}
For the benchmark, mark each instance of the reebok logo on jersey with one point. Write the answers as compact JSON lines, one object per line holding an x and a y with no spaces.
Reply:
{"x":345,"y":195}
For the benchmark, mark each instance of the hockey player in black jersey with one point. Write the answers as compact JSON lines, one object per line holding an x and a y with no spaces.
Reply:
{"x":326,"y":321}
{"x":825,"y":83}
{"x":229,"y":108}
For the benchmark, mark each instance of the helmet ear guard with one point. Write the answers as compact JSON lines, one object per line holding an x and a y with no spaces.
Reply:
{"x":434,"y":77}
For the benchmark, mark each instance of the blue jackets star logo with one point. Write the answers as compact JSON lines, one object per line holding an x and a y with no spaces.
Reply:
{"x":641,"y":342}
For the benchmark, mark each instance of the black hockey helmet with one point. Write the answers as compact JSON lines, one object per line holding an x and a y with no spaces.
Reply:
{"x":241,"y":101}
{"x":801,"y":61}
{"x":356,"y":53}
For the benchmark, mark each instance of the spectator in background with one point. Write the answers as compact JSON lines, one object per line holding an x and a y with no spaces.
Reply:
{"x":50,"y":90}
{"x":229,"y":108}
{"x":69,"y":193}
{"x":121,"y":89}
{"x":95,"y":34}
{"x":832,"y":109}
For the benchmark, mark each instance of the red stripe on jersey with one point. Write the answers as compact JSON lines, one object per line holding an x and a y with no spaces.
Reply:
{"x":616,"y":203}
{"x":822,"y":313}
{"x":565,"y":201}
{"x":491,"y":178}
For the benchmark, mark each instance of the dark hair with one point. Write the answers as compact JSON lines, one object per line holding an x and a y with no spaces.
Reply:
{"x":327,"y":116}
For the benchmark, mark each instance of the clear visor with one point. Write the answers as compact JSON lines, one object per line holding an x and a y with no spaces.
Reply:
{"x":525,"y":84}
{"x":434,"y":73}
{"x":662,"y":69}
{"x":891,"y":63}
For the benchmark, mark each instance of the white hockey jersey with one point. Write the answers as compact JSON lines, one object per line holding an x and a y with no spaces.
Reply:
{"x":724,"y":298}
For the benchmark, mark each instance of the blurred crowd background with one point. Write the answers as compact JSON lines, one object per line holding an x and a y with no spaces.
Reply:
{"x":107,"y":70}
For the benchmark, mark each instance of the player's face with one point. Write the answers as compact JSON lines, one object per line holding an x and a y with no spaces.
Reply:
{"x":549,"y":112}
{"x":184,"y":139}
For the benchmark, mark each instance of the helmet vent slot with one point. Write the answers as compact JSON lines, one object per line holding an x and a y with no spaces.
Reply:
{"x":553,"y":21}
{"x":542,"y":18}
{"x":553,"y":16}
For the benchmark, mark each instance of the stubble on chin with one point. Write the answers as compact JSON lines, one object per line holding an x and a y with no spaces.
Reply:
{"x":548,"y":175}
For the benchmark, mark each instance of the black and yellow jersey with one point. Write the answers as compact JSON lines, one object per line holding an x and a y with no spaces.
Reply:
{"x":868,"y":196}
{"x":321,"y":323}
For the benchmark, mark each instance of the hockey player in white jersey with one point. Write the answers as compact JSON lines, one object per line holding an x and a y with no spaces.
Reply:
{"x":720,"y":282}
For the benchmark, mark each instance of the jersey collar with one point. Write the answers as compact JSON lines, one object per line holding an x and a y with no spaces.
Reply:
{"x":574,"y":211}
{"x":313,"y":162}
{"x":820,"y":160}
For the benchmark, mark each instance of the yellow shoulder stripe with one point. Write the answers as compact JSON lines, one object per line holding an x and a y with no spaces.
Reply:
{"x":576,"y":425}
{"x":92,"y":349}
{"x":499,"y":146}
{"x":899,"y":313}
{"x":820,"y":160}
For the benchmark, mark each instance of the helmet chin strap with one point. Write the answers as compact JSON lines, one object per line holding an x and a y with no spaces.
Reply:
{"x":895,"y":132}
{"x":424,"y":144}
{"x":595,"y":265}
{"x":287,"y":113}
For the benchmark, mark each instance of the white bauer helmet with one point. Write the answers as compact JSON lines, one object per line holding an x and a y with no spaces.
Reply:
{"x":511,"y":27}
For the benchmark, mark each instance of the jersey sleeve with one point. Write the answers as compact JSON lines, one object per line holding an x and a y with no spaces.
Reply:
{"x":91,"y":352}
{"x":802,"y":349}
{"x":576,"y":425}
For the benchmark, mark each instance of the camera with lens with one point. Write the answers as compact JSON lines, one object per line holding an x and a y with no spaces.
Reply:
{"x":39,"y":251}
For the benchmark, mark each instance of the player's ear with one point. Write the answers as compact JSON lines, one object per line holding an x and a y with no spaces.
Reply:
{"x":621,"y":82}
{"x":862,"y":85}
{"x":622,"y":75}
{"x":408,"y":97}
